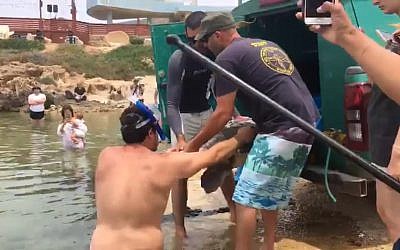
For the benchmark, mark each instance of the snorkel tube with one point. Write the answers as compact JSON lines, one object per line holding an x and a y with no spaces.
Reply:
{"x":149,"y":115}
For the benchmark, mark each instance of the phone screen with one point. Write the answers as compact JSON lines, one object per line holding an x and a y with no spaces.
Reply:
{"x":311,"y":8}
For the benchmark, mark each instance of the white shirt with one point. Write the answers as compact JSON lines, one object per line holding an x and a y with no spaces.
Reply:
{"x":36,"y":98}
{"x":68,"y":130}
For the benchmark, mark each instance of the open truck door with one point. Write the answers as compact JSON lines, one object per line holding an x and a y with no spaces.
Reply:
{"x":325,"y":69}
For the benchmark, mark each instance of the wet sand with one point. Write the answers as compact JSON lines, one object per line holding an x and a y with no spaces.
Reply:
{"x":312,"y":221}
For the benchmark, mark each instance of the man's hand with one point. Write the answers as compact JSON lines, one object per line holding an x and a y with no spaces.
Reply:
{"x":191,"y":147}
{"x":341,"y":25}
{"x":171,"y":150}
{"x":395,"y":173}
{"x":180,"y":145}
{"x":245,"y":135}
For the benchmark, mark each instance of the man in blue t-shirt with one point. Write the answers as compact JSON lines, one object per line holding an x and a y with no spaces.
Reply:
{"x":280,"y":148}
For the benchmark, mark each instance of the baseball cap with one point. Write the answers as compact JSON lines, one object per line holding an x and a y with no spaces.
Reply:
{"x":214,"y":22}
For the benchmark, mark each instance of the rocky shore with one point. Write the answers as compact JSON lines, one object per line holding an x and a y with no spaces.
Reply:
{"x":17,"y":80}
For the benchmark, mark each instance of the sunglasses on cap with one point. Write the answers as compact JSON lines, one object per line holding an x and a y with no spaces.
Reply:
{"x":207,"y":36}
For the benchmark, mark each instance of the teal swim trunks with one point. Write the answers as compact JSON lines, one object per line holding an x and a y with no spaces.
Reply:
{"x":270,"y":170}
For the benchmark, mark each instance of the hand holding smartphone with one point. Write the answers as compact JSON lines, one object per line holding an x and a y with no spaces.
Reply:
{"x":311,"y":16}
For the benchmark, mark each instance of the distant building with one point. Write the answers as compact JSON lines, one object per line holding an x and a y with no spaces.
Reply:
{"x":127,"y":9}
{"x":23,"y":16}
{"x":30,"y":9}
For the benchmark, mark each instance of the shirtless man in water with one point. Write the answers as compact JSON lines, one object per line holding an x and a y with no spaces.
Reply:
{"x":133,"y":182}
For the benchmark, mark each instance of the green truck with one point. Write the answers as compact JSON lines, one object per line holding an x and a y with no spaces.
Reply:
{"x":324,"y":67}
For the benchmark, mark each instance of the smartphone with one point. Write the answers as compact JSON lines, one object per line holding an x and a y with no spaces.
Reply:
{"x":311,"y":16}
{"x":385,"y":36}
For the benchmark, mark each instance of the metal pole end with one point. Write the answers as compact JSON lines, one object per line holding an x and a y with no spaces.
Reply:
{"x":173,"y":40}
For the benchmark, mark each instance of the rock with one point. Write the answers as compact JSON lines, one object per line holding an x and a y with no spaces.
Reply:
{"x":49,"y":101}
{"x":137,"y":79}
{"x":17,"y":80}
{"x":58,"y":99}
{"x":92,"y":89}
{"x":4,"y":105}
{"x":126,"y":91}
{"x":69,"y":95}
{"x":16,"y":102}
{"x":55,"y":72}
{"x":116,"y":96}
{"x":21,"y":86}
{"x":34,"y":71}
{"x":8,"y":77}
{"x":10,"y":103}
{"x":59,"y":74}
{"x":101,"y":86}
{"x":103,"y":109}
{"x":15,"y":63}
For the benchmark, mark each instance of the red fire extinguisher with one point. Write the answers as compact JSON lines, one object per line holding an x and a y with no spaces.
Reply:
{"x":357,"y":92}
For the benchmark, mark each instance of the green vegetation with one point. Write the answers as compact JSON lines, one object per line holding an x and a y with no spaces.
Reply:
{"x":136,"y":40}
{"x":21,"y":44}
{"x":123,"y":63}
{"x":47,"y":80}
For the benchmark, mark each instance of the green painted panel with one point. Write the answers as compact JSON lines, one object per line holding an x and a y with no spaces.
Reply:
{"x":370,"y":18}
{"x":162,"y":52}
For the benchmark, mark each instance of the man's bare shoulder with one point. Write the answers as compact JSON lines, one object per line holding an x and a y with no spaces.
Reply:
{"x":110,"y":150}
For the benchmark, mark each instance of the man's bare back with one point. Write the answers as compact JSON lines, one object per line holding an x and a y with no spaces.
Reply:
{"x":132,"y":188}
{"x":131,"y":194}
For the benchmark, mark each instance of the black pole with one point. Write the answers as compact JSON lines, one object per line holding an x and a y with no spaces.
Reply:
{"x":368,"y":166}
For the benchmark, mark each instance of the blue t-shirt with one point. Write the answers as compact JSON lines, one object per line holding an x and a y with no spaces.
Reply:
{"x":266,"y":67}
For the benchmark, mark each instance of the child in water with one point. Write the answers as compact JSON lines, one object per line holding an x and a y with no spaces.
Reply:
{"x":78,"y":136}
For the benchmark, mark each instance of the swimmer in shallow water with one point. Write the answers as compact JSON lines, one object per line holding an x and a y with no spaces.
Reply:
{"x":133,"y":182}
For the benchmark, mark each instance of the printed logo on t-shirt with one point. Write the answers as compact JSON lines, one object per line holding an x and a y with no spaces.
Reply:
{"x":259,"y":44}
{"x":277,"y":60}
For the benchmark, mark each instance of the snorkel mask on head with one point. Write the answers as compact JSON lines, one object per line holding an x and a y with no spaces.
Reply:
{"x":149,"y":117}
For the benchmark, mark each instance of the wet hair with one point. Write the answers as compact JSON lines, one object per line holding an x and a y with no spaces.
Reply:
{"x":193,"y":20}
{"x":65,"y":108}
{"x":129,"y":119}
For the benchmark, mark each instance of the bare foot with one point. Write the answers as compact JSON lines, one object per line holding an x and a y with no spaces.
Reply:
{"x":180,"y":232}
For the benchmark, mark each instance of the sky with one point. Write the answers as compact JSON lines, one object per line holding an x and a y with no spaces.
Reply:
{"x":29,"y":8}
{"x":218,"y":3}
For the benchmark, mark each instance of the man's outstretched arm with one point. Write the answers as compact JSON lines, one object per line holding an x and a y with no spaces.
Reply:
{"x":187,"y":164}
{"x":222,"y":114}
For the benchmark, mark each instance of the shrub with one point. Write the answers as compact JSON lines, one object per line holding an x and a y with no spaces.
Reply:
{"x":47,"y":80}
{"x":136,"y":40}
{"x":123,"y":63}
{"x":21,"y":44}
{"x":89,"y":75}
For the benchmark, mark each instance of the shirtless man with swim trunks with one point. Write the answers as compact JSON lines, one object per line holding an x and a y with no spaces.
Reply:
{"x":133,"y":182}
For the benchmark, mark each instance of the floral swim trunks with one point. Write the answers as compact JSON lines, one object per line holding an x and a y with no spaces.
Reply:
{"x":270,"y":170}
